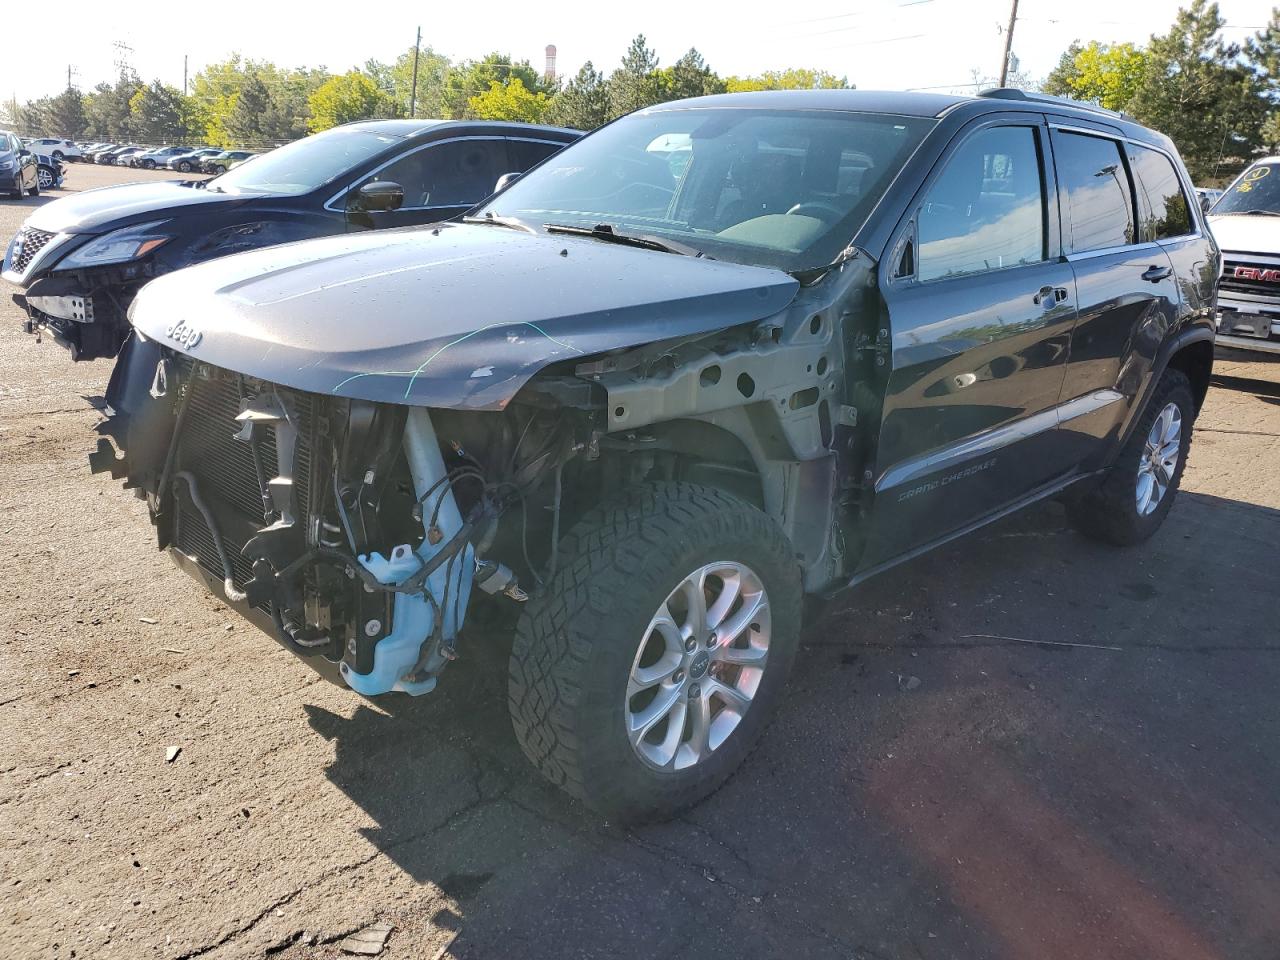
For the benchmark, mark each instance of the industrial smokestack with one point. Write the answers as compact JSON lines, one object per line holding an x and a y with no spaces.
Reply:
{"x":550,"y":72}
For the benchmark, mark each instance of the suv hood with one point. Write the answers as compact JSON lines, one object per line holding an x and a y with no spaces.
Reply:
{"x":453,"y":316}
{"x":107,"y":208}
{"x":1242,"y":233}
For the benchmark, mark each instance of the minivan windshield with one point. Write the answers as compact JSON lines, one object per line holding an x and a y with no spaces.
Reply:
{"x":780,"y":188}
{"x":1258,"y":191}
{"x":305,"y":164}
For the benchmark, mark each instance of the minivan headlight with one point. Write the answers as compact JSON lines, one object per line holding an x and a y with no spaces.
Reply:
{"x":6,"y":163}
{"x":118,"y":246}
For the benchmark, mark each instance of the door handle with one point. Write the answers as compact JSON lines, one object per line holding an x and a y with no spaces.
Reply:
{"x":1048,"y":296}
{"x":1156,"y":274}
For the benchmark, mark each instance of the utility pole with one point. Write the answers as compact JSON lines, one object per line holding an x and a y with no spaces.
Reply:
{"x":413,"y":94}
{"x":1008,"y":44}
{"x":184,"y":74}
{"x":68,"y":76}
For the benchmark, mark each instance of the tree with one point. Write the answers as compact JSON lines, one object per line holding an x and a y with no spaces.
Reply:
{"x":583,"y":103}
{"x":248,"y":106}
{"x":688,"y":77}
{"x":342,"y":99}
{"x":508,"y":101}
{"x":108,"y":108}
{"x":1106,"y":74}
{"x":634,"y":85}
{"x":1196,"y":89}
{"x":796,"y":78}
{"x":158,"y":114}
{"x":474,"y":77}
{"x":66,"y":117}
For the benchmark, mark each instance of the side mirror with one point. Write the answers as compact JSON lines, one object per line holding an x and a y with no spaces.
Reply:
{"x":1205,"y":204}
{"x":506,"y":180}
{"x":24,"y":152}
{"x":380,"y":195}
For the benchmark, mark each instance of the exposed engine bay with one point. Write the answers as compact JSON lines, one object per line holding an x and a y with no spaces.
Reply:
{"x":353,"y":531}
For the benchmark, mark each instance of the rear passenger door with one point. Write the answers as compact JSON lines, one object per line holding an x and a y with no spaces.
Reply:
{"x":980,"y":309}
{"x":1125,"y":289}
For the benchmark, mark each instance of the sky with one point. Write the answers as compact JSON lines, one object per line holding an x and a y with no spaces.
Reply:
{"x":877,"y":44}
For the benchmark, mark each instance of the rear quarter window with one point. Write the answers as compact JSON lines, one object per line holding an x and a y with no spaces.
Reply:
{"x":1168,"y":210}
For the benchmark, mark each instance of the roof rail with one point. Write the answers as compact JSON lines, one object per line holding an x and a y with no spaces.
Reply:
{"x":1013,"y":93}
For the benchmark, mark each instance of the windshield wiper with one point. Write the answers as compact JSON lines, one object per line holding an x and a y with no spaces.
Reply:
{"x":500,"y":221}
{"x":605,"y":231}
{"x":1253,"y":213}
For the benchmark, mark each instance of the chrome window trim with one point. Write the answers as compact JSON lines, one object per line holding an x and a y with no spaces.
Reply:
{"x":330,"y":203}
{"x":995,"y":439}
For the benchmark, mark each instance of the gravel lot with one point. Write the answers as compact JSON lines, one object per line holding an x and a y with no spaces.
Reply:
{"x":1023,"y":801}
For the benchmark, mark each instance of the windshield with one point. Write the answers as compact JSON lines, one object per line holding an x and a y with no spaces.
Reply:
{"x":1258,"y":191}
{"x":305,"y":164}
{"x":782,"y":188}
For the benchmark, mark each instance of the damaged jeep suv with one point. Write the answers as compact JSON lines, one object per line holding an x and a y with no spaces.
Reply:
{"x":716,"y":356}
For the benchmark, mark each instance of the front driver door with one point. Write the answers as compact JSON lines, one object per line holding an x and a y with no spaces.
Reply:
{"x":980,"y":307}
{"x":440,"y":180}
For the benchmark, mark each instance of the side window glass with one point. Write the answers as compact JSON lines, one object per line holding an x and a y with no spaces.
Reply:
{"x":1099,"y":198}
{"x":986,"y":209}
{"x":1169,"y":213}
{"x":523,"y":154}
{"x":456,"y":173}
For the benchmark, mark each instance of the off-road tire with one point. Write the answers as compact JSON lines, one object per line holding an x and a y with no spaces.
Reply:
{"x":574,"y":645}
{"x":1109,"y":513}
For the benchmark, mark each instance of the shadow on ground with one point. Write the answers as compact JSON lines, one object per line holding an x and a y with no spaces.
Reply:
{"x":1113,"y":799}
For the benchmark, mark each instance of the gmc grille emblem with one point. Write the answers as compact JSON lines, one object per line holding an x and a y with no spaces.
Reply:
{"x":1256,"y":273}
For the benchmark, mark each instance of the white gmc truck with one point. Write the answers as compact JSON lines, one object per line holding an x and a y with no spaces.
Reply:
{"x":1246,"y":223}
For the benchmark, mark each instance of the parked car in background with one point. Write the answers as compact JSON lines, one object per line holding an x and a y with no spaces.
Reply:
{"x":49,"y":172}
{"x":18,"y":174}
{"x":191,"y":161}
{"x":79,"y":261}
{"x":58,"y":149}
{"x":1208,"y":196}
{"x":158,"y":157}
{"x":111,"y":157}
{"x":854,"y":326}
{"x":130,"y":157}
{"x":222,"y":162}
{"x":1246,"y":222}
{"x":97,"y":150}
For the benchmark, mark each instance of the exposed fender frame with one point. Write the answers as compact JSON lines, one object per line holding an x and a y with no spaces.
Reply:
{"x":1197,"y":333}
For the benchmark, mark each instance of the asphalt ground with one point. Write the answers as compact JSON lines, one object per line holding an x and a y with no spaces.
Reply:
{"x":947,"y":779}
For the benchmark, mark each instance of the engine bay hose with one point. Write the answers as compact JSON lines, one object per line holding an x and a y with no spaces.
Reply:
{"x":228,"y":584}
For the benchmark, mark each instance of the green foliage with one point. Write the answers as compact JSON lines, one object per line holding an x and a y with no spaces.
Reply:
{"x":108,"y":109}
{"x":64,"y":116}
{"x":1106,"y":74}
{"x":473,"y":78}
{"x":583,"y":102}
{"x":510,"y":101}
{"x":352,"y":96}
{"x":635,"y":85}
{"x":158,"y":114}
{"x":688,"y":77}
{"x":1196,"y":89}
{"x":795,"y":78}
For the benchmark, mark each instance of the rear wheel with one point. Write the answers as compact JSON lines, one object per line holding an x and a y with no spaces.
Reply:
{"x":58,"y":155}
{"x":644,"y":674}
{"x":1138,"y":490}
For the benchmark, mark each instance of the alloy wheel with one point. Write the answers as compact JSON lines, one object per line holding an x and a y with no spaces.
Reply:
{"x":1159,"y":461}
{"x":44,"y":178}
{"x":698,"y":666}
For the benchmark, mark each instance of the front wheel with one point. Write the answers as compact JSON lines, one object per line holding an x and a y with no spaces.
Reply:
{"x":643,"y":675}
{"x":184,"y":167}
{"x":1135,"y":496}
{"x":44,"y":177}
